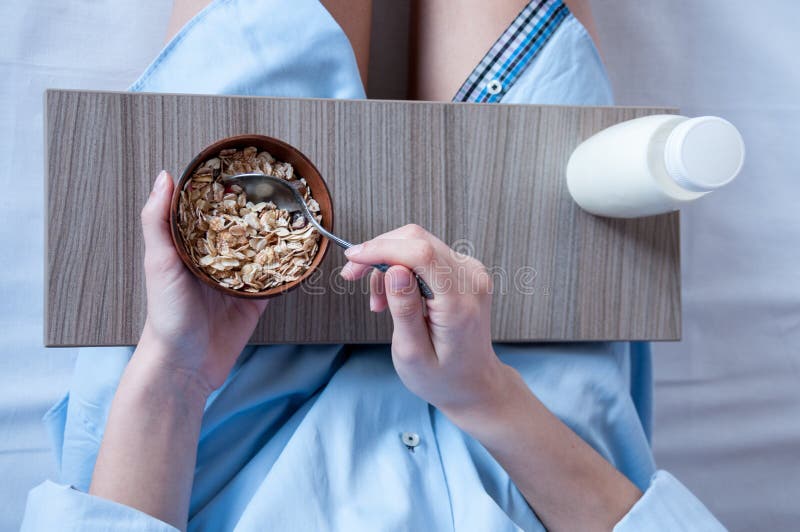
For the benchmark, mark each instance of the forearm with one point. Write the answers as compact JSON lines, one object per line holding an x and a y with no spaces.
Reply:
{"x":570,"y":486}
{"x":149,"y":448}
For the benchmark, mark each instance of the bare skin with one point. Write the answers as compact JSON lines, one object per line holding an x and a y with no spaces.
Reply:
{"x":450,"y":37}
{"x":354,"y":16}
{"x":182,"y":12}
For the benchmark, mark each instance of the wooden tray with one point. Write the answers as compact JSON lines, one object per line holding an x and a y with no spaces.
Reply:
{"x":487,"y":179}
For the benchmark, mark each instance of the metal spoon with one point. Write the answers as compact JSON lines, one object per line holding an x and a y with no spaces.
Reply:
{"x":261,"y":187}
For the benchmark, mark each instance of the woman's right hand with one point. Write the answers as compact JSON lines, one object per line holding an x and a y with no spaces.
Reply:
{"x":441,"y":347}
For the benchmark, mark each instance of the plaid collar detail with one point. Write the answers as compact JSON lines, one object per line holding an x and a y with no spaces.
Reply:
{"x":512,"y":52}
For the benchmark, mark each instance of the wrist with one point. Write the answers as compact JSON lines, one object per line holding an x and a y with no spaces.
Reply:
{"x":154,"y":363}
{"x":496,"y":404}
{"x":155,"y":379}
{"x":157,"y":344}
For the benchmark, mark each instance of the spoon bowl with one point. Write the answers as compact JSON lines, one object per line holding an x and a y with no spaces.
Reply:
{"x":284,"y":194}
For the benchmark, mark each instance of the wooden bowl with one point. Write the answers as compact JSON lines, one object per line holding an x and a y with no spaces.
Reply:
{"x":303,"y":167}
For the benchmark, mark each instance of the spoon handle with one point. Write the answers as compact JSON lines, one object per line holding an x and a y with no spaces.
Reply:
{"x":424,"y":289}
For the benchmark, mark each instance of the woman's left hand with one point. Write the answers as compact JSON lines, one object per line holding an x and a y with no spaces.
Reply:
{"x":192,"y":336}
{"x":441,"y":347}
{"x":191,"y":328}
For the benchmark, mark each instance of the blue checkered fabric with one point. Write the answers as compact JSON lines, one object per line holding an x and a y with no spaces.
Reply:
{"x":512,"y":52}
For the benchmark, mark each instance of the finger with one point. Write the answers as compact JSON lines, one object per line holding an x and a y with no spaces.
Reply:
{"x":419,"y":255}
{"x":377,"y":292}
{"x":355,"y":271}
{"x":407,"y":232}
{"x":411,"y":341}
{"x":155,"y":218}
{"x":352,"y":271}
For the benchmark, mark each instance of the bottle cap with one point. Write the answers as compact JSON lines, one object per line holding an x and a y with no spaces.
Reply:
{"x":704,"y":153}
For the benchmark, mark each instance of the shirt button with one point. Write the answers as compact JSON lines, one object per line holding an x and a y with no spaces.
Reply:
{"x":494,"y":87}
{"x":410,"y":439}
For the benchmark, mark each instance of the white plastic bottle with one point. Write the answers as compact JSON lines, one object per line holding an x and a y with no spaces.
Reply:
{"x":654,"y":164}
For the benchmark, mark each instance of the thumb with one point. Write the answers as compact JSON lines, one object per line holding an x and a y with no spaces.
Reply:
{"x":411,"y":342}
{"x":155,"y":218}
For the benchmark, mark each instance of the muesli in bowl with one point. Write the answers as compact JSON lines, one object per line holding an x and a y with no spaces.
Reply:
{"x":246,"y":248}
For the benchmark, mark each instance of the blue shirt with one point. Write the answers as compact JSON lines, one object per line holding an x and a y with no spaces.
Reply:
{"x":309,"y":437}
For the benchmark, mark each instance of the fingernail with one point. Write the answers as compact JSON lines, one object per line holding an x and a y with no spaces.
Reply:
{"x":161,"y":180}
{"x":399,"y":279}
{"x":353,"y":250}
{"x":345,"y":269}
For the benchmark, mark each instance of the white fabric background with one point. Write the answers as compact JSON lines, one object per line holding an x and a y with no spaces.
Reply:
{"x":102,"y":44}
{"x":727,"y":403}
{"x":727,"y":397}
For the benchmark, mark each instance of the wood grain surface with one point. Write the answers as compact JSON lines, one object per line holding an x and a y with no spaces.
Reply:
{"x":487,"y":179}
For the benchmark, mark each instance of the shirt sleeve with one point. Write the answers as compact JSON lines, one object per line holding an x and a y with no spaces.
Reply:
{"x":668,"y":506}
{"x":54,"y":506}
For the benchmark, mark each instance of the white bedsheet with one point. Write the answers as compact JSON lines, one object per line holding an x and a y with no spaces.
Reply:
{"x":727,"y":397}
{"x":92,"y":45}
{"x":727,"y":416}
